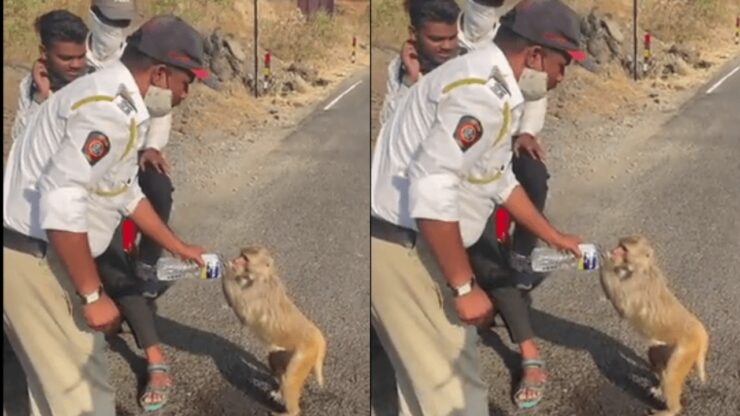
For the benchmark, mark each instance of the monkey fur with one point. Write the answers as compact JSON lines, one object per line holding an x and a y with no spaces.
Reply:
{"x":258,"y":298}
{"x":639,"y":291}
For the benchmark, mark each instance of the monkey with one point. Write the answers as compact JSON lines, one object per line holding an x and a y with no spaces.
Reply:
{"x":258,"y":297}
{"x":639,"y":291}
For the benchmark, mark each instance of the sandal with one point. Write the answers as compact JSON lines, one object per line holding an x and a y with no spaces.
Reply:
{"x":537,"y":387}
{"x":161,"y":391}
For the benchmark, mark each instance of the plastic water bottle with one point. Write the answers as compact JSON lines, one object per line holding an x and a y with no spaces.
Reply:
{"x":171,"y":268}
{"x":546,"y":259}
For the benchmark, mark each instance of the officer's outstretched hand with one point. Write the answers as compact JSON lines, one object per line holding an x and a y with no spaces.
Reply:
{"x":192,"y":253}
{"x":568,"y":243}
{"x":102,"y":315}
{"x":474,"y":308}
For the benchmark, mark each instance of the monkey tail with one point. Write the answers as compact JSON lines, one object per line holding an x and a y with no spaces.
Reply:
{"x":318,"y":367}
{"x":702,"y":358}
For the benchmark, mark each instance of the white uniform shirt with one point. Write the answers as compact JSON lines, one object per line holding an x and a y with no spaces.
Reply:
{"x":159,"y":128}
{"x":25,"y":109}
{"x":55,"y":177}
{"x":477,"y":27}
{"x":427,"y":163}
{"x":27,"y":106}
{"x":394,"y":90}
{"x":158,"y":133}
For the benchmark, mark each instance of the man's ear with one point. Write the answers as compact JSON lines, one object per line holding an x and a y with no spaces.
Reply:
{"x":158,"y":73}
{"x":42,"y":52}
{"x":534,"y":57}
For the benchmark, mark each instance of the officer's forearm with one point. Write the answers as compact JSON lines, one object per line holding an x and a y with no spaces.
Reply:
{"x":73,"y":250}
{"x":445,"y":243}
{"x":152,"y":226}
{"x":527,"y":215}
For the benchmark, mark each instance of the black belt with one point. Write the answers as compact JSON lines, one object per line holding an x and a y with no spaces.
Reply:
{"x":392,"y":233}
{"x":23,"y":243}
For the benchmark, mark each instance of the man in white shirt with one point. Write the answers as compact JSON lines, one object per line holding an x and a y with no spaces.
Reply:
{"x":441,"y":163}
{"x":63,"y":52}
{"x":68,"y":181}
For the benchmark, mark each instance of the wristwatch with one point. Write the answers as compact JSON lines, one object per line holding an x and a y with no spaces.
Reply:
{"x":91,"y":297}
{"x":463,"y":289}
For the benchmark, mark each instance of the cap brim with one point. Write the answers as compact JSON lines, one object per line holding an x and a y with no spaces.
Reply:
{"x":205,"y":76}
{"x":584,"y":60}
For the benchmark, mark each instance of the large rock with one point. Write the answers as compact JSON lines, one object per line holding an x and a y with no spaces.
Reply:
{"x":612,"y":27}
{"x":235,"y":48}
{"x":304,"y":71}
{"x":598,"y":49}
{"x":690,"y":55}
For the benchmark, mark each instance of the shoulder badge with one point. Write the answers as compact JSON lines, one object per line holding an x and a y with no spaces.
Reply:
{"x":124,"y":101}
{"x":468,"y":131}
{"x":96,"y":147}
{"x":499,"y":87}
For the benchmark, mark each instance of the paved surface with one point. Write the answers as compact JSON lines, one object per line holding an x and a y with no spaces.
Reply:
{"x":685,"y":196}
{"x":307,"y":200}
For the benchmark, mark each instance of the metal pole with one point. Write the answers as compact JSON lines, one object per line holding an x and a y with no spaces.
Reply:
{"x":634,"y":28}
{"x":256,"y":54}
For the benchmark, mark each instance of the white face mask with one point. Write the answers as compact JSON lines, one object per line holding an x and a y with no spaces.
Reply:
{"x":158,"y":101}
{"x":106,"y":40}
{"x":533,"y":84}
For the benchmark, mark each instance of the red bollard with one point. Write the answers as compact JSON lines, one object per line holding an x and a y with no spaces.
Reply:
{"x":266,"y":72}
{"x":646,"y":52}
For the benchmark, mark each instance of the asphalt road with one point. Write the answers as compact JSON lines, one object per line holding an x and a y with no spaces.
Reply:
{"x":685,"y":196}
{"x":307,"y":200}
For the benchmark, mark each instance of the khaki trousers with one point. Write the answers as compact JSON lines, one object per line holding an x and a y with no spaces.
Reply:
{"x":63,"y":359}
{"x":434,"y":355}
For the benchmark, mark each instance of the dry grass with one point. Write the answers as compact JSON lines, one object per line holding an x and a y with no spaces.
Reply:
{"x":675,"y":20}
{"x":390,"y":23}
{"x":321,"y":38}
{"x":282,"y":31}
{"x":689,"y":20}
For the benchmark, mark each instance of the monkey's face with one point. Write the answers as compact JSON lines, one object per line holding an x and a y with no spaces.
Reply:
{"x":253,"y":263}
{"x":632,"y":254}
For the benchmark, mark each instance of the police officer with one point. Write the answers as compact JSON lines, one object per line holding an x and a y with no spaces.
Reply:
{"x":441,"y":162}
{"x":68,"y":181}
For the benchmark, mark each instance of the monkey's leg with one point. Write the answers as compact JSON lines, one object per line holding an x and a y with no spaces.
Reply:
{"x":295,"y":377}
{"x":278,"y":360}
{"x":674,"y":376}
{"x":658,"y":356}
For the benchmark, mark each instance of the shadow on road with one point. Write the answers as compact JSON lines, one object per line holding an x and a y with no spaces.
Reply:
{"x":238,"y":367}
{"x":620,"y":365}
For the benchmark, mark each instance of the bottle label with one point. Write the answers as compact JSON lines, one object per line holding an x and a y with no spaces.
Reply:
{"x":590,"y":257}
{"x":213,"y":268}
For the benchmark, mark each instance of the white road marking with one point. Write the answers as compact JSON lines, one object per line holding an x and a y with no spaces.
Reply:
{"x":724,"y":78}
{"x":339,"y":97}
